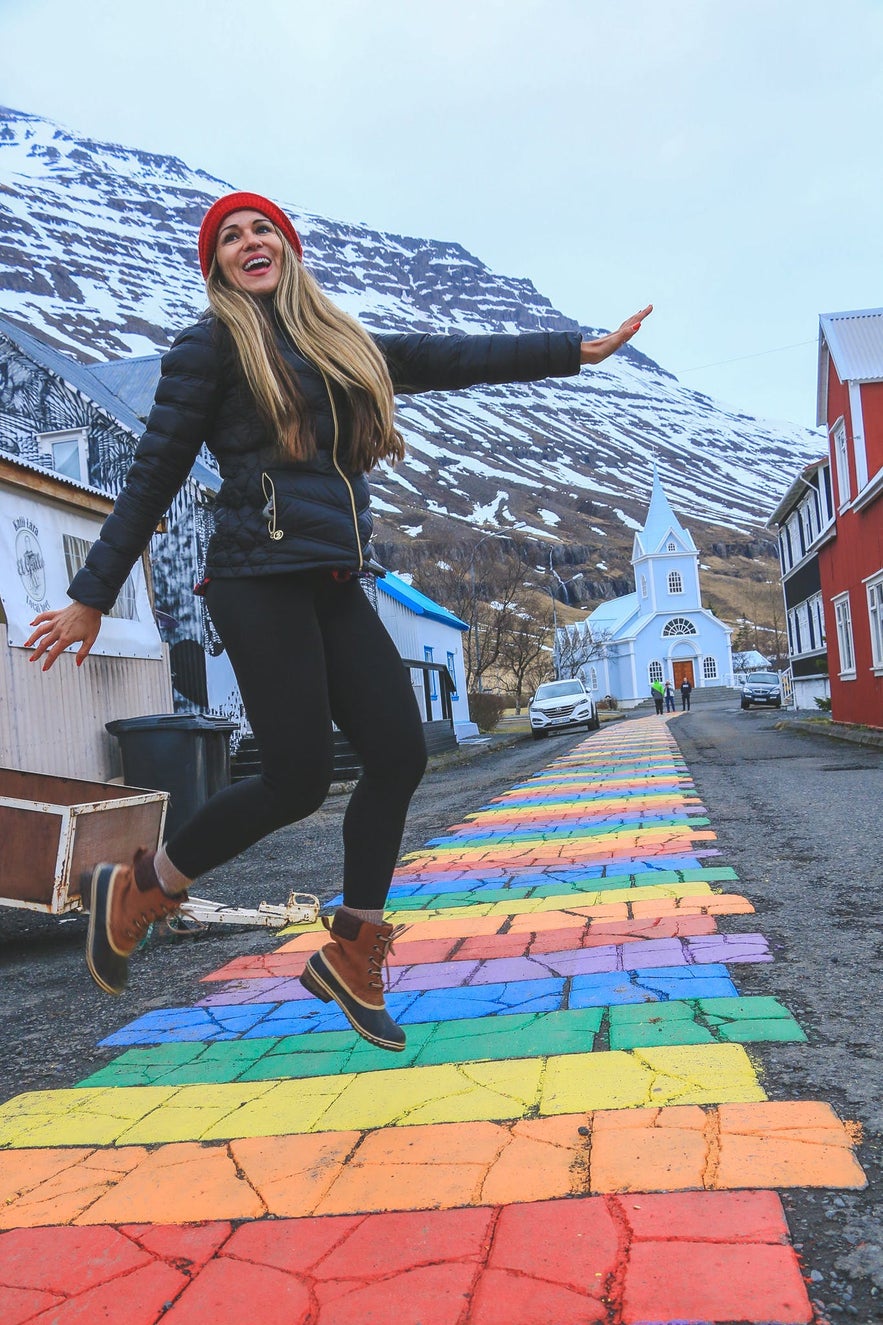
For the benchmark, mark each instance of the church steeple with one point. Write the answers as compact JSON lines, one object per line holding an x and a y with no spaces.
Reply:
{"x":665,"y":559}
{"x":661,"y":526}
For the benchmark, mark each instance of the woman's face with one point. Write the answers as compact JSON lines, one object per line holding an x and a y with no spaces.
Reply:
{"x":249,"y":252}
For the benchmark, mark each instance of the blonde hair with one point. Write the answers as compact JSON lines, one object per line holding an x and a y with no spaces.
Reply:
{"x":330,"y":339}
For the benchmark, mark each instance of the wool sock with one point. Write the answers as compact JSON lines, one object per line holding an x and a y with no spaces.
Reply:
{"x":372,"y":917}
{"x":171,"y":880}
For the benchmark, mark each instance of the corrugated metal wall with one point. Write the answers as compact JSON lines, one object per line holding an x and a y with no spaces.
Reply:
{"x":53,"y":722}
{"x":401,"y":623}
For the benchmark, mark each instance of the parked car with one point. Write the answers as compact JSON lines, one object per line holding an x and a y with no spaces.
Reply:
{"x":558,"y":705}
{"x":762,"y":688}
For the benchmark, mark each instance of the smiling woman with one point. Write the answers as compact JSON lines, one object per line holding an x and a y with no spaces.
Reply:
{"x":295,"y":399}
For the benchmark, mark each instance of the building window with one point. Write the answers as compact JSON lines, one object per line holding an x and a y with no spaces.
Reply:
{"x":75,"y":552}
{"x":643,"y":586}
{"x":785,"y":548}
{"x":433,"y":686}
{"x":795,"y":641}
{"x":68,"y":451}
{"x":675,"y":583}
{"x":452,"y":668}
{"x":655,"y":670}
{"x":843,"y":618}
{"x":593,"y":678}
{"x":819,"y":613}
{"x":841,"y":456}
{"x":709,"y":669}
{"x":671,"y":547}
{"x":875,"y":615}
{"x":679,"y":625}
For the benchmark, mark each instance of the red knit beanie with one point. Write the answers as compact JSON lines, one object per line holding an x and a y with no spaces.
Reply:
{"x":237,"y":202}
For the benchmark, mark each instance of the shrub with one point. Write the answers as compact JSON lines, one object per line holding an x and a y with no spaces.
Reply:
{"x":609,"y":702}
{"x":823,"y":703}
{"x":486,"y":709}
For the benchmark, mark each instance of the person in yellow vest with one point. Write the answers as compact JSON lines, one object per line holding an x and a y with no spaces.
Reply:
{"x":657,"y":689}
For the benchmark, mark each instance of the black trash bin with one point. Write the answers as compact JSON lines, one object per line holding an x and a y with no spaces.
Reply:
{"x":185,"y":754}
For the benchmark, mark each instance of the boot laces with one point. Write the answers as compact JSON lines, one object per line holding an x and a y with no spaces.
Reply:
{"x":378,"y":958}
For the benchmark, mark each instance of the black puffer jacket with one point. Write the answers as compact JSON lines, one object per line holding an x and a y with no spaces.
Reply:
{"x":321,"y":505}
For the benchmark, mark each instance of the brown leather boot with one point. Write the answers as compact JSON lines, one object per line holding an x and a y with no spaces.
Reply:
{"x":349,"y":970}
{"x":123,"y":902}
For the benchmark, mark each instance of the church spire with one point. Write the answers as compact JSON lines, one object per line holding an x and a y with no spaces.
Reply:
{"x":661,"y":523}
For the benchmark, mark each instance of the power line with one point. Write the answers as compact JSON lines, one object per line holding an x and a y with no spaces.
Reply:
{"x":740,"y":358}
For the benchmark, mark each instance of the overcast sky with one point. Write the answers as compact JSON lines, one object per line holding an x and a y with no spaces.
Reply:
{"x":719,"y":159}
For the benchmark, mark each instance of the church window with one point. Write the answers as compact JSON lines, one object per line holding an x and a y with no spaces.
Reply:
{"x":643,"y":586}
{"x":709,"y":668}
{"x":655,"y":670}
{"x":593,"y":678}
{"x":675,"y":583}
{"x":679,"y":625}
{"x":671,"y":547}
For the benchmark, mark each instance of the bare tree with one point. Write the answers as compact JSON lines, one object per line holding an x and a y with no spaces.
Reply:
{"x":526,"y":654}
{"x":486,"y":590}
{"x":576,"y":646}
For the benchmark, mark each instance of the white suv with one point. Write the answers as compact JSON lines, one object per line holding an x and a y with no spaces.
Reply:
{"x":558,"y":705}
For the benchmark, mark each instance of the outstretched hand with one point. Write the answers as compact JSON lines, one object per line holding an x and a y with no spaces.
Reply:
{"x":595,"y":351}
{"x":55,"y":631}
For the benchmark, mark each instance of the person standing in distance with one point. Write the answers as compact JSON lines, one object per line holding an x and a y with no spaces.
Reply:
{"x":295,"y":399}
{"x":686,"y":691}
{"x":669,"y":697}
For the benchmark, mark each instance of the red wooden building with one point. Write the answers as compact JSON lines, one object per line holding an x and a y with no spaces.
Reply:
{"x":850,"y":406}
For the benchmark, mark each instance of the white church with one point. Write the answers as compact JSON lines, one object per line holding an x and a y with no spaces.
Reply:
{"x":659,"y":632}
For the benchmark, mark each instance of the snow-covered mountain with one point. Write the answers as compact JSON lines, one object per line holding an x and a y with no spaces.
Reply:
{"x":98,"y":255}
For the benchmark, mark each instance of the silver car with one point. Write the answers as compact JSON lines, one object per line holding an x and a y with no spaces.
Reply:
{"x":558,"y":705}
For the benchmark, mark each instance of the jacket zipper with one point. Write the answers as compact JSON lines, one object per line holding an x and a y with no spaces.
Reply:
{"x":340,"y":471}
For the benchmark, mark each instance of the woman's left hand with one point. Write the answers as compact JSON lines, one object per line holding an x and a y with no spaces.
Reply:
{"x":594,"y":351}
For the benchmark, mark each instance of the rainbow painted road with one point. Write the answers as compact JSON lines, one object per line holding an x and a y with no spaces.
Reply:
{"x":577,"y":1131}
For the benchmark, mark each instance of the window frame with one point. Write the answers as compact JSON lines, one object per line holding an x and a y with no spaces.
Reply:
{"x":709,"y":668}
{"x":655,"y":670}
{"x":840,"y":446}
{"x":75,"y":550}
{"x":845,"y":639}
{"x":676,"y":634}
{"x":874,"y":593}
{"x":46,"y":442}
{"x":675,"y":576}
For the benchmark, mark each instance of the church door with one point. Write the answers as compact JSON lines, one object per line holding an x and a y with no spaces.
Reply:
{"x":683,"y":669}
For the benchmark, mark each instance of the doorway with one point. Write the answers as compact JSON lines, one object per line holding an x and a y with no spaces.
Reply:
{"x":681,"y":669}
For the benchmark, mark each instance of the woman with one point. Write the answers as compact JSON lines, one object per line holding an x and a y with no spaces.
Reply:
{"x":295,"y":400}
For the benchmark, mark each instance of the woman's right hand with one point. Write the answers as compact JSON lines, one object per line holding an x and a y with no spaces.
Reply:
{"x":55,"y":631}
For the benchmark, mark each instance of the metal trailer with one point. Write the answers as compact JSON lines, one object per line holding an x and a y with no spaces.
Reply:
{"x":53,"y":830}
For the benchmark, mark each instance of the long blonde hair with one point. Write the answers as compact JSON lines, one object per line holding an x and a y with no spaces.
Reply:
{"x":332,"y":340}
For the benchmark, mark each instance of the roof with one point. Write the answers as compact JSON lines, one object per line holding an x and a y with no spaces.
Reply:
{"x":796,"y":491}
{"x":418,"y":602}
{"x":78,"y":375}
{"x":660,"y":522}
{"x":134,"y":381}
{"x":98,"y":383}
{"x":62,"y":480}
{"x":610,"y":617}
{"x":854,"y":341}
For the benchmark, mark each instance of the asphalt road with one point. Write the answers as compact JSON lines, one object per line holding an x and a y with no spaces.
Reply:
{"x":799,"y":819}
{"x":52,"y":1016}
{"x":797,"y":816}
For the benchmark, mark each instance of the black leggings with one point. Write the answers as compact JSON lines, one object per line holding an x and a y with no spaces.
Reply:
{"x":307,"y":649}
